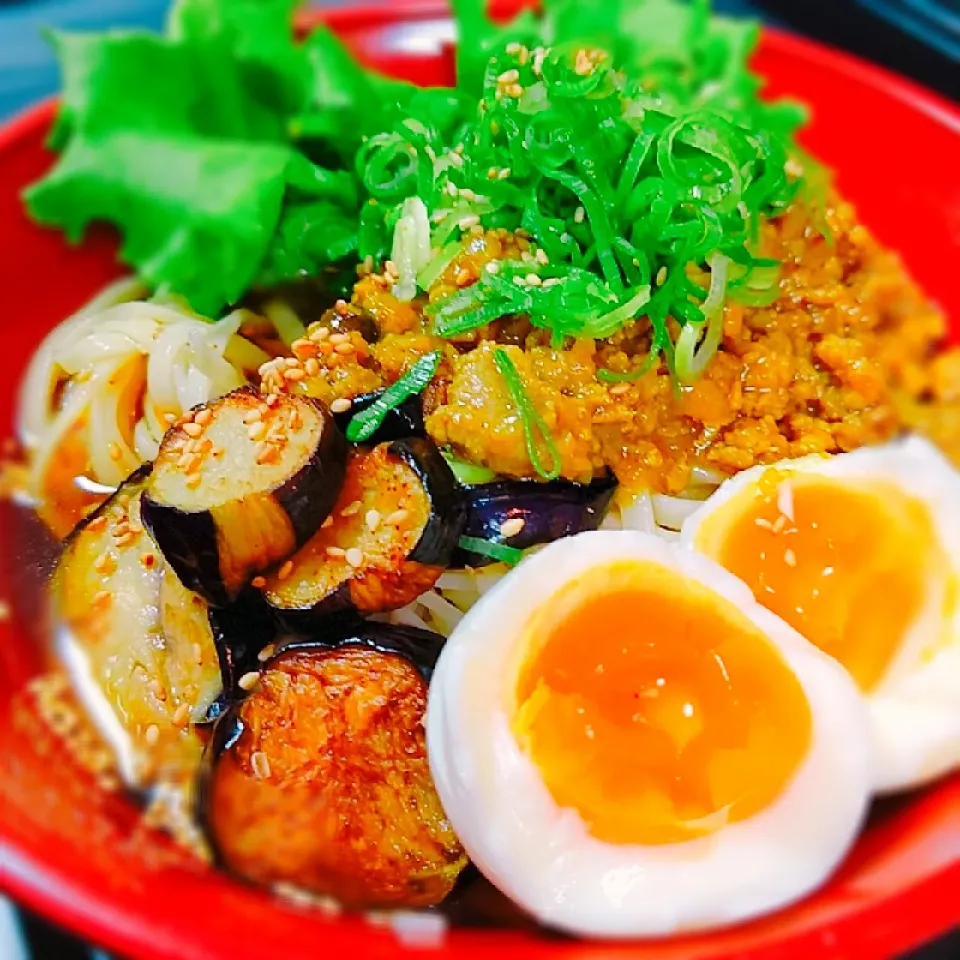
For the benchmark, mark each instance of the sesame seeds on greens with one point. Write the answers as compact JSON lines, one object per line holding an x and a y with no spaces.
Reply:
{"x":624,"y":140}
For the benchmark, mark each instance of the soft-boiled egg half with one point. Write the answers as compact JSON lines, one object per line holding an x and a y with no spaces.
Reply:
{"x":861,"y":553}
{"x":628,"y":744}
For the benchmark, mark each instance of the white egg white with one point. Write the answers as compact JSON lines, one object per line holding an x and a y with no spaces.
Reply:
{"x":915,"y":708}
{"x":544,"y":857}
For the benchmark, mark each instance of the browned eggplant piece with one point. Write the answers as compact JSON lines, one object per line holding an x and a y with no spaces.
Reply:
{"x":136,"y":642}
{"x":320,"y":779}
{"x":523,"y":513}
{"x":239,"y":484}
{"x":390,"y":536}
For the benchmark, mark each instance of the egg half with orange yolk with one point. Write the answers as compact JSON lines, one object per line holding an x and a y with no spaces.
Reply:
{"x":627,"y":744}
{"x":861,"y":554}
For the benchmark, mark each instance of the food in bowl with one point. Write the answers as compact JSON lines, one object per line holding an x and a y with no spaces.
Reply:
{"x":390,"y":361}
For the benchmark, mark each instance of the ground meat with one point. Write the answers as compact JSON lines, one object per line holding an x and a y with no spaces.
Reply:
{"x":850,"y":354}
{"x":482,"y":423}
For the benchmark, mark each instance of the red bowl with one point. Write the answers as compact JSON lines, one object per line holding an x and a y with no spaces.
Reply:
{"x":81,"y":858}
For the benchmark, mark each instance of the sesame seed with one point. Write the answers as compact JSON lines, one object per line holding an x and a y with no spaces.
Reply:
{"x":451,"y":189}
{"x":271,"y":401}
{"x":661,"y":278}
{"x":181,"y":715}
{"x":789,"y":558}
{"x":504,"y":173}
{"x":125,"y":539}
{"x":396,"y":518}
{"x":492,"y":267}
{"x":513,"y":526}
{"x":252,"y":416}
{"x":260,"y":764}
{"x":193,"y":481}
{"x":294,"y":374}
{"x":779,"y":524}
{"x":249,"y":680}
{"x":326,"y":523}
{"x":345,"y":348}
{"x":617,"y":390}
{"x":101,"y":597}
{"x":184,"y":461}
{"x":151,"y":735}
{"x":515,"y":91}
{"x":97,"y":523}
{"x":533,"y":280}
{"x":513,"y":48}
{"x":259,"y":582}
{"x":351,"y":509}
{"x":311,"y":366}
{"x":373,"y":519}
{"x":338,"y":338}
{"x":509,"y":76}
{"x":266,"y":453}
{"x":257,"y":430}
{"x":193,"y":429}
{"x":285,"y":570}
{"x":170,"y":418}
{"x":266,"y":653}
{"x":336,"y":552}
{"x":468,"y":194}
{"x":471,"y":220}
{"x":579,"y":214}
{"x":291,"y":362}
{"x":319,"y":334}
{"x":304,"y":348}
{"x":763,"y":523}
{"x":204,"y":416}
{"x":341,"y":405}
{"x":354,"y":556}
{"x":493,"y":173}
{"x":105,"y":564}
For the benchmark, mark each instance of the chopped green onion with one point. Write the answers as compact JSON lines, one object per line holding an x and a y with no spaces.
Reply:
{"x":366,"y":423}
{"x":469,"y":474}
{"x":692,"y":354}
{"x":490,"y":548}
{"x":535,"y":430}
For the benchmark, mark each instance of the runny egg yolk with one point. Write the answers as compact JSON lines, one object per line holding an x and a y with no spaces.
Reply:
{"x":654,"y":708}
{"x":849,"y":567}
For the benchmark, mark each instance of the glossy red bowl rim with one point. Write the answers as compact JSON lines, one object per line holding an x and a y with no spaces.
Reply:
{"x":917,"y":913}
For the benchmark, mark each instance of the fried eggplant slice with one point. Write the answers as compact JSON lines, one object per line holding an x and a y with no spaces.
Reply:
{"x":320,"y":779}
{"x":136,"y":642}
{"x":524,"y":513}
{"x":239,"y":484}
{"x":390,"y":536}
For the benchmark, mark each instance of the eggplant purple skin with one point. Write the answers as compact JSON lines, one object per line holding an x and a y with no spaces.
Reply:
{"x":448,"y":512}
{"x":188,"y":539}
{"x":420,"y":647}
{"x":240,"y":632}
{"x":549,"y":512}
{"x":403,"y":421}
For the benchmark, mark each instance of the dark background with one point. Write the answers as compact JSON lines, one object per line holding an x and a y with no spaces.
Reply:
{"x":920,"y":38}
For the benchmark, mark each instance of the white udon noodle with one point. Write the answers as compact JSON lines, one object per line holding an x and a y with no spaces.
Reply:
{"x":456,"y":591}
{"x":122,"y":360}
